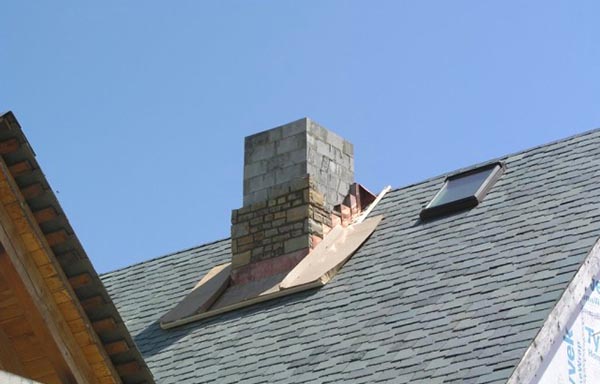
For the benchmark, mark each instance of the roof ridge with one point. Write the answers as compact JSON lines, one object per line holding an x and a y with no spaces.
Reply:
{"x":458,"y":170}
{"x":148,"y":261}
{"x":512,"y":154}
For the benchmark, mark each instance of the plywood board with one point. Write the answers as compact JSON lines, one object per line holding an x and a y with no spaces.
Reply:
{"x":213,"y":295}
{"x":204,"y":294}
{"x":331,"y":254}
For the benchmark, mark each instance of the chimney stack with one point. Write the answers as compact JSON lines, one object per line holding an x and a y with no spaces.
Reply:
{"x":293,"y":177}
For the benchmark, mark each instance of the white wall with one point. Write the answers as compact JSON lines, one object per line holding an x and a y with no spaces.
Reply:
{"x":9,"y":378}
{"x":576,"y":358}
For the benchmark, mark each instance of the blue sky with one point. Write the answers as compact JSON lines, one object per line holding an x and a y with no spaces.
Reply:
{"x":137,"y":110}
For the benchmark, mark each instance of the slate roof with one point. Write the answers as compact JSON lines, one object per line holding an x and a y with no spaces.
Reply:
{"x":455,"y":300}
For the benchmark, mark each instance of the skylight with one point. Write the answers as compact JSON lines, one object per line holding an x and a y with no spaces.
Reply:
{"x":463,"y":191}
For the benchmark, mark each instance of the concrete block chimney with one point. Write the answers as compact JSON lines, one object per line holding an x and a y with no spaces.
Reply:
{"x":293,"y":176}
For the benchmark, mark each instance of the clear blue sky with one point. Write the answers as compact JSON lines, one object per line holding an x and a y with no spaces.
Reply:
{"x":137,"y":110}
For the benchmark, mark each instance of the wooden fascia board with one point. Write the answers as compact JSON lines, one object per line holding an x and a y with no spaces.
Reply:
{"x":41,"y":327}
{"x":33,"y":188}
{"x":42,"y":297}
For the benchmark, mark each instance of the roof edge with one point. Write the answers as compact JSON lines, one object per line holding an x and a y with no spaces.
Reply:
{"x":562,"y":315}
{"x":501,"y":158}
{"x":184,"y":250}
{"x":107,"y":274}
{"x":72,"y":259}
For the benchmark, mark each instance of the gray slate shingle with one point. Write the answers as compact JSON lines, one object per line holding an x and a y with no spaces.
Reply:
{"x":455,"y":300}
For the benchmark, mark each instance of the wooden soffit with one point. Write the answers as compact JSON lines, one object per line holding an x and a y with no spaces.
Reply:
{"x":53,"y":277}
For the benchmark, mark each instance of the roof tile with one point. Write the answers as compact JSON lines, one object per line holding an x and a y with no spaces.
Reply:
{"x":454,"y":300}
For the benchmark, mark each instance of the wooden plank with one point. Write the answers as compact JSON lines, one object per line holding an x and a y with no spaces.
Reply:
{"x":43,"y":329}
{"x":20,"y":168}
{"x":27,"y":346}
{"x":47,"y":270}
{"x":7,"y":299}
{"x":107,"y":380}
{"x":331,"y":254}
{"x":32,"y":191}
{"x":77,"y":325}
{"x":101,"y":369}
{"x":8,"y":356}
{"x":40,"y":257}
{"x":18,"y":250}
{"x":21,"y":272}
{"x":55,"y":238}
{"x":69,"y":311}
{"x":16,"y":327}
{"x":9,"y":146}
{"x":128,"y":368}
{"x":204,"y":294}
{"x":81,"y":280}
{"x":92,"y":352}
{"x":38,"y":368}
{"x":92,"y":303}
{"x":50,"y":379}
{"x":116,"y":347}
{"x":104,"y":325}
{"x":232,"y":307}
{"x":11,"y":312}
{"x":83,"y":338}
{"x":61,"y":296}
{"x":45,"y":215}
{"x":6,"y":194}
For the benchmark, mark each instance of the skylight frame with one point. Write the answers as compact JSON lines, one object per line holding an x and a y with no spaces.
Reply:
{"x":432,"y":211}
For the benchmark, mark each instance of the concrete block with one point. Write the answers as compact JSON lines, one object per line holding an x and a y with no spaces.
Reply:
{"x":239,"y":230}
{"x":259,"y":152}
{"x":324,"y":164}
{"x":287,"y":159}
{"x":275,"y":134}
{"x":257,"y":253}
{"x":290,"y":173}
{"x":296,"y":214}
{"x":290,"y":152}
{"x":317,"y":131}
{"x":260,"y":138}
{"x":335,"y":140}
{"x":255,"y":168}
{"x":298,"y":157}
{"x":240,"y":259}
{"x":257,"y":183}
{"x":295,"y":127}
{"x":322,"y":148}
{"x":291,"y":143}
{"x":348,"y":148}
{"x":316,"y":198}
{"x":296,"y":244}
{"x":255,"y":196}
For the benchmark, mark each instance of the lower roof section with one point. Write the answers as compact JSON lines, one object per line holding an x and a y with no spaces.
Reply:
{"x":49,"y":259}
{"x":452,"y":300}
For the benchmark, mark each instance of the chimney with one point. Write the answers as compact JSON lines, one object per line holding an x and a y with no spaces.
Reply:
{"x":293,"y":177}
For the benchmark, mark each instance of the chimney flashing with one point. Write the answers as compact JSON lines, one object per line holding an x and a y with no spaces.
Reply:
{"x":299,"y":223}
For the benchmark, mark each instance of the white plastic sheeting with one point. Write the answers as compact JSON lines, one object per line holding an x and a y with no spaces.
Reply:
{"x":576,"y":358}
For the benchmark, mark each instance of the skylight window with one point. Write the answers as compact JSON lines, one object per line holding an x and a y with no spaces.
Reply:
{"x":463,"y":191}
